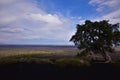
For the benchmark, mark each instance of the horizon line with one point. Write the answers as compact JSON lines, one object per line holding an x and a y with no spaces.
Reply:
{"x":40,"y":44}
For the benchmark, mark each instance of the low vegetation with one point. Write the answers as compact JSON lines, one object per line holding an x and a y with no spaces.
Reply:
{"x":31,"y":58}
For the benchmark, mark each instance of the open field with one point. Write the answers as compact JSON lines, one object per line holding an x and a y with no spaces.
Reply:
{"x":36,"y":52}
{"x":57,"y":55}
{"x":46,"y":50}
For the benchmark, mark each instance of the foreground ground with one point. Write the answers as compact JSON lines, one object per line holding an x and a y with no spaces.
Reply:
{"x":37,"y":68}
{"x":25,"y":71}
{"x":53,"y":63}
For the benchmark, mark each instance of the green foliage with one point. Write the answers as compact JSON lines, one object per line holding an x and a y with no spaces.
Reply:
{"x":96,"y":36}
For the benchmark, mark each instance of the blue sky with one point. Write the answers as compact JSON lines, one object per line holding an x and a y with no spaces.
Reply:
{"x":50,"y":21}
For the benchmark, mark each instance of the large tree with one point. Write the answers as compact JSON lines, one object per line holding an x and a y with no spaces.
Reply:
{"x":97,"y":37}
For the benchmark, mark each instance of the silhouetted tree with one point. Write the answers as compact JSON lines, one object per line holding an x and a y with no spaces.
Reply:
{"x":97,"y":37}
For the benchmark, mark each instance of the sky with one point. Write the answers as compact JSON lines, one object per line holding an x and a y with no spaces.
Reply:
{"x":51,"y":22}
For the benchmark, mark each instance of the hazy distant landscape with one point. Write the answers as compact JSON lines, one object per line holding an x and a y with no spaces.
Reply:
{"x":11,"y":50}
{"x":44,"y":51}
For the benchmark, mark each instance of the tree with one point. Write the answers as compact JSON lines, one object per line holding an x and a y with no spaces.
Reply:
{"x":97,"y":37}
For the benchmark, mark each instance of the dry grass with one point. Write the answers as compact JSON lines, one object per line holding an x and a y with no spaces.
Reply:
{"x":13,"y":52}
{"x":18,"y":50}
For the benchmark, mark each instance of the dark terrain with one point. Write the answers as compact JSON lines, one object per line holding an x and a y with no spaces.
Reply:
{"x":44,"y":71}
{"x":25,"y":71}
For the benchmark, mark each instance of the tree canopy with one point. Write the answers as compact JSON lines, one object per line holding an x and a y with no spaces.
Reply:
{"x":96,"y":37}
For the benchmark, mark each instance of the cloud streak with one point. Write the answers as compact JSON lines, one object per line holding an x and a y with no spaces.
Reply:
{"x":23,"y":20}
{"x":102,"y":4}
{"x":110,"y":10}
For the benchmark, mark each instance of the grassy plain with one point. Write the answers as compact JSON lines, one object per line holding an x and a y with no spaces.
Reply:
{"x":54,"y":55}
{"x":60,"y":56}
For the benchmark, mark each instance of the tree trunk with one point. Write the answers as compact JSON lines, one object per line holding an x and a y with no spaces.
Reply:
{"x":92,"y":55}
{"x":106,"y":56}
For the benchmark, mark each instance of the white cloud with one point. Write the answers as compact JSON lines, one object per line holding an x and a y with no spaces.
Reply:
{"x":110,"y":3}
{"x":12,"y":29}
{"x":7,"y":19}
{"x":49,"y":18}
{"x":6,"y":1}
{"x":96,"y":2}
{"x":114,"y":17}
{"x":101,"y":4}
{"x":22,"y":19}
{"x":110,"y":10}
